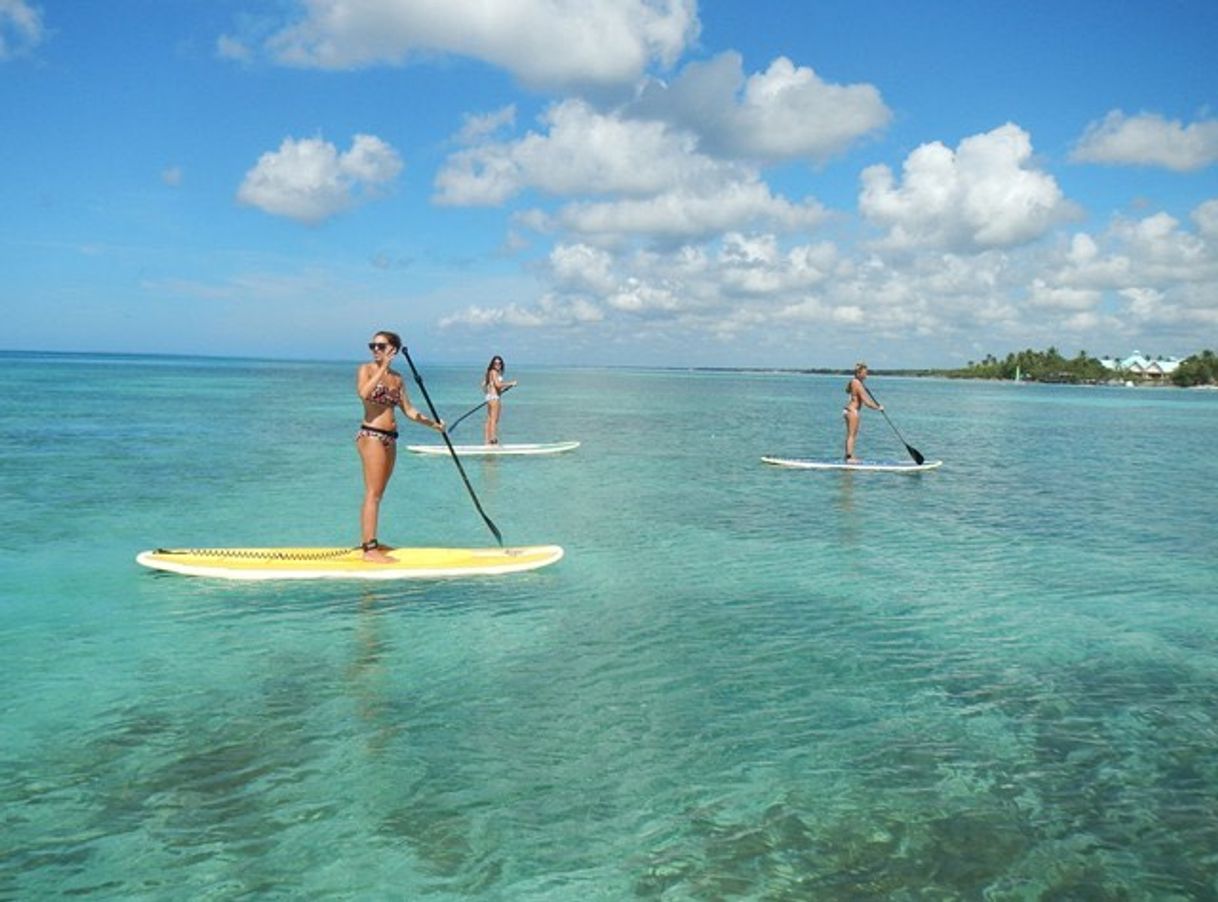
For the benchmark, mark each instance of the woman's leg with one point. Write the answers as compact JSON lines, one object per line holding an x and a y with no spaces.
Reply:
{"x":377,"y":458}
{"x":852,"y":431}
{"x":492,"y":422}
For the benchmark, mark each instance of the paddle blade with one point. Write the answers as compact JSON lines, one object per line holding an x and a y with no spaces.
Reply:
{"x":913,"y":452}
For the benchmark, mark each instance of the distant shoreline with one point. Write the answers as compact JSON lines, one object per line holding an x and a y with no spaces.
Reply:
{"x":906,"y":373}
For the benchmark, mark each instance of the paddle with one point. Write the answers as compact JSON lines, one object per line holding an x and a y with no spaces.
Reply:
{"x":444,"y":432}
{"x":458,"y":420}
{"x":913,"y":452}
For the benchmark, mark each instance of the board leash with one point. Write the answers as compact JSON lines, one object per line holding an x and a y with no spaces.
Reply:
{"x":255,"y":554}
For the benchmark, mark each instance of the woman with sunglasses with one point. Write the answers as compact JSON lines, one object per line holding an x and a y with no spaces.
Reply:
{"x":494,"y":386}
{"x":381,"y":389}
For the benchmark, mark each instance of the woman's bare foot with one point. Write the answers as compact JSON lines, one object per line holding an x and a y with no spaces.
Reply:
{"x":375,"y":552}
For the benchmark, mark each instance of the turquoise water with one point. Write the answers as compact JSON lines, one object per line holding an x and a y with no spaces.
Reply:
{"x":995,"y":680}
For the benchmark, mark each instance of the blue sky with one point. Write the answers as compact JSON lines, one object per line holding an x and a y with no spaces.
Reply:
{"x":635,"y":182}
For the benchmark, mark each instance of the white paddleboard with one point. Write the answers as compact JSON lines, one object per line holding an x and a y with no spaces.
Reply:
{"x":881,"y":466}
{"x":497,"y":450}
{"x":347,"y":563}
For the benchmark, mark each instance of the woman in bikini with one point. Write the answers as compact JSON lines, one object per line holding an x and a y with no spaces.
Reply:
{"x":494,"y":386}
{"x":381,"y":389}
{"x":856,"y":399}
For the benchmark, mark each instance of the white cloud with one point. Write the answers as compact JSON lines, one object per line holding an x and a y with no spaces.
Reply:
{"x":985,"y":194}
{"x":656,"y":183}
{"x":655,"y":238}
{"x":370,"y":161}
{"x":684,"y":213}
{"x":578,"y":267}
{"x":1158,"y":273}
{"x":478,"y":128}
{"x":640,"y":297}
{"x":1151,"y":276}
{"x":757,"y":266}
{"x":1149,"y":140}
{"x":786,"y":112}
{"x":1145,"y":303}
{"x":741,"y":281}
{"x":309,"y":180}
{"x":1084,"y":265}
{"x":172,"y":176}
{"x":548,"y":312}
{"x":230,"y":48}
{"x":1061,"y":297}
{"x":542,"y":42}
{"x":21,"y":28}
{"x":581,"y":152}
{"x":1206,"y":217}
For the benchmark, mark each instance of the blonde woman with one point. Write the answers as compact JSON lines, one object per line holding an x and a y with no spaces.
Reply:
{"x":382,"y":390}
{"x":857,"y":398}
{"x":493,"y":385}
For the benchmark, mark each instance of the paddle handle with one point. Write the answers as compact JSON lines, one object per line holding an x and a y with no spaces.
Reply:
{"x":451,"y":450}
{"x":913,"y":452}
{"x":457,"y":421}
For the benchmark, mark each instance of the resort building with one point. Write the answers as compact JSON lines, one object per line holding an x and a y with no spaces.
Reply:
{"x":1138,"y":365}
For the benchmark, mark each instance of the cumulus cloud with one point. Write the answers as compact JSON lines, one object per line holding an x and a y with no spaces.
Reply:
{"x":786,"y":112}
{"x":309,"y":180}
{"x":985,"y":194}
{"x":1149,"y":140}
{"x":1157,"y":271}
{"x":686,"y":213}
{"x":549,"y":312}
{"x":544,"y":43}
{"x":643,"y":298}
{"x":579,"y":151}
{"x":1206,"y":218}
{"x":478,"y":128}
{"x":632,"y":178}
{"x":655,"y":234}
{"x":578,"y":267}
{"x":21,"y":28}
{"x":1149,"y":276}
{"x":1058,"y":297}
{"x":1162,"y":252}
{"x":719,"y":286}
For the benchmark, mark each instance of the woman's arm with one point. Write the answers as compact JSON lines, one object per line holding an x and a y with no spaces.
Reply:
{"x":860,"y":396}
{"x":412,"y":413}
{"x":865,"y":397}
{"x":368,"y":375}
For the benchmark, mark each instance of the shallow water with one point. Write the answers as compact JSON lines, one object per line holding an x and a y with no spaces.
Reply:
{"x":992,"y":680}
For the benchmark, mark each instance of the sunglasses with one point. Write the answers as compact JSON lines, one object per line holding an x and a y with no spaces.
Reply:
{"x":378,"y":345}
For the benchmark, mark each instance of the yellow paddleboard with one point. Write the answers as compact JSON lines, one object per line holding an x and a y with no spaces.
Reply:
{"x":347,"y":563}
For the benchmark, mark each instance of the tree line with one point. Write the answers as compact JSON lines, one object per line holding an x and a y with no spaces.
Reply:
{"x":1050,"y":366}
{"x":1037,"y":366}
{"x":1199,"y":369}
